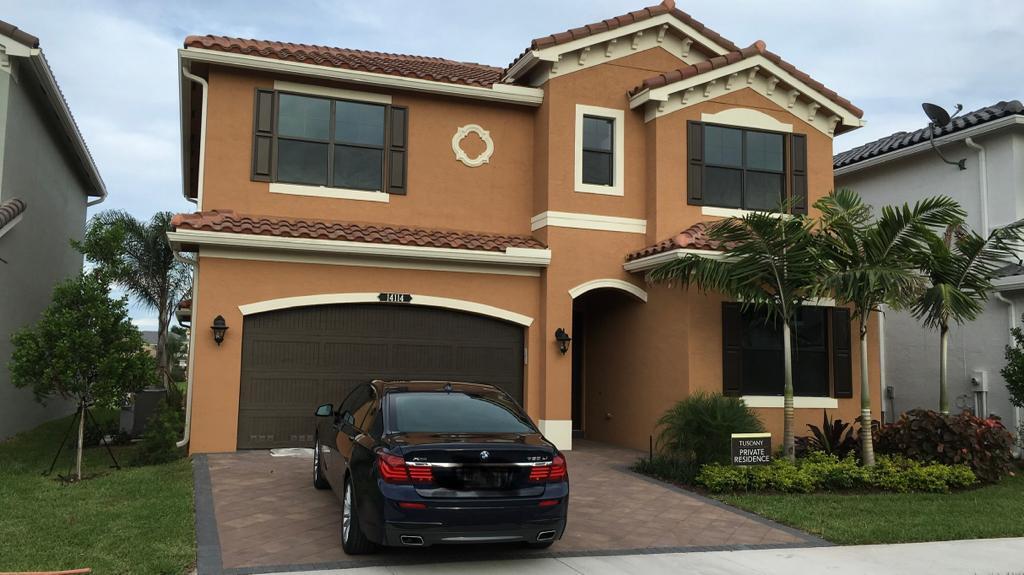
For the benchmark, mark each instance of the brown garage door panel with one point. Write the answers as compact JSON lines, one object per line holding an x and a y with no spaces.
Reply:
{"x":296,"y":359}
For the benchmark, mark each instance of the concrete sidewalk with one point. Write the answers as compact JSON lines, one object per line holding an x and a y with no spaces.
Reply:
{"x":981,"y":557}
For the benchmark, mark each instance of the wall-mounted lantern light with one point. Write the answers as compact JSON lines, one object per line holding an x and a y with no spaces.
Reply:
{"x":563,"y":340}
{"x":219,"y":327}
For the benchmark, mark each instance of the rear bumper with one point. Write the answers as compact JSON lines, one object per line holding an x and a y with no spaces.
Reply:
{"x":408,"y":534}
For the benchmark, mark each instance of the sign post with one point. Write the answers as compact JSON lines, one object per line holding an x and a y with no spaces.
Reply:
{"x":751,"y":448}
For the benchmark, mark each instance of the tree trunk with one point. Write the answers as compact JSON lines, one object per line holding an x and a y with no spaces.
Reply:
{"x":81,"y":440}
{"x":943,"y":358}
{"x":161,"y":344}
{"x":788,"y":450}
{"x":867,"y":442}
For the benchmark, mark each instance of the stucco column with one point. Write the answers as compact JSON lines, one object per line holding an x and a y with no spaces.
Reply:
{"x":556,"y":390}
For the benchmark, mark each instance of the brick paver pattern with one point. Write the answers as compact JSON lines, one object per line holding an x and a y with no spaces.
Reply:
{"x":268,"y":512}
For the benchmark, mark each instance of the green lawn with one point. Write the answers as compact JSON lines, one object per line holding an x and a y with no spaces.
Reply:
{"x":991,"y":511}
{"x":136,"y":520}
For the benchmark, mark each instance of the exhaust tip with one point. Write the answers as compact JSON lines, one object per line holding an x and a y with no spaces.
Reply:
{"x":412,"y":540}
{"x":545,"y":535}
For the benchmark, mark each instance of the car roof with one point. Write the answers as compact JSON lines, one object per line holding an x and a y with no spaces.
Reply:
{"x":426,"y":385}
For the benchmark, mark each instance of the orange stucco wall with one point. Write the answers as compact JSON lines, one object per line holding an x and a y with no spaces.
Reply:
{"x":641,"y":356}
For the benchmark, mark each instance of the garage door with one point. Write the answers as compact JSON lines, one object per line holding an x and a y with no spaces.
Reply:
{"x":296,"y":359}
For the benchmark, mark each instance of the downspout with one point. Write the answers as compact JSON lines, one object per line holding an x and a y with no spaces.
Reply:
{"x":191,"y":348}
{"x":99,"y":200}
{"x":881,"y":367}
{"x":198,"y":200}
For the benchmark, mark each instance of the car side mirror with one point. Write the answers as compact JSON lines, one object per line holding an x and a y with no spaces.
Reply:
{"x":325,"y":410}
{"x":348,"y":418}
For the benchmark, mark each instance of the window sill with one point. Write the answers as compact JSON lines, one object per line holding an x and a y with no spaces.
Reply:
{"x":776,"y":401}
{"x":731,"y":212}
{"x":596,"y":189}
{"x":325,"y":192}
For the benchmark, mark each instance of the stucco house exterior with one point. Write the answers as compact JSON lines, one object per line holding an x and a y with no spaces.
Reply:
{"x":47,"y":179}
{"x":366,"y":215}
{"x":903,"y":168}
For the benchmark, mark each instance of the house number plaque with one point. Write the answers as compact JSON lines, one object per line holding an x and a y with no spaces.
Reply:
{"x":390,"y":297}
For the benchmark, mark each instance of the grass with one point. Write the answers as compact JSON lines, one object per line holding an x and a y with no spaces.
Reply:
{"x":851,"y":519}
{"x":136,"y":520}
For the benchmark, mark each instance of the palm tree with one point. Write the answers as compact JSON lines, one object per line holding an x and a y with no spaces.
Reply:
{"x":771,"y":266}
{"x":137,"y":256}
{"x":959,"y":266}
{"x":869,"y":262}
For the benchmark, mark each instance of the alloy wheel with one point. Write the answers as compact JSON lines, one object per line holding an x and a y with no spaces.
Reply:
{"x":346,"y":512}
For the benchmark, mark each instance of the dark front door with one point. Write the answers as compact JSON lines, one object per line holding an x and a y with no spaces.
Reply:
{"x":296,"y":359}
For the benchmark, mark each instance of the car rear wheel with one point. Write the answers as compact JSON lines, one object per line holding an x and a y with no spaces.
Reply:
{"x":319,"y":481}
{"x":353,"y":540}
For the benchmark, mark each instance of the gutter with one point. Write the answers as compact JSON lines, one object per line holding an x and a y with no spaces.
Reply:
{"x":653,"y":261}
{"x":191,"y":349}
{"x":974,"y":131}
{"x":185,"y":127}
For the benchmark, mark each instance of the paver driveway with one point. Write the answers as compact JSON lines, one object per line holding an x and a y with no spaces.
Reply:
{"x":265,"y":516}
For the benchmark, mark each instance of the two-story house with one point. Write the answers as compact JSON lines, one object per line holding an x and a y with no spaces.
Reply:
{"x":47,"y":179}
{"x":903,"y":168}
{"x":366,"y":215}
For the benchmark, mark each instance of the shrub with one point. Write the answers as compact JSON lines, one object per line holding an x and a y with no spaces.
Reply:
{"x":698,"y":428}
{"x":667,"y":468}
{"x":827,"y":472}
{"x":928,"y":436}
{"x":834,"y":437}
{"x":159,"y":441}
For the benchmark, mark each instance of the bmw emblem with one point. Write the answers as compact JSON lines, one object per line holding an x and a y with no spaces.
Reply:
{"x":485,"y":454}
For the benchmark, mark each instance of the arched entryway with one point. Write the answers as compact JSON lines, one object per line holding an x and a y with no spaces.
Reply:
{"x":296,"y":358}
{"x":601,"y":312}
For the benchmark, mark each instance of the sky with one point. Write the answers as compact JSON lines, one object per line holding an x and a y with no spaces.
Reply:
{"x":117,"y":62}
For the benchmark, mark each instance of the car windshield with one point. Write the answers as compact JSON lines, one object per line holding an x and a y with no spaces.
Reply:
{"x":440,"y":412}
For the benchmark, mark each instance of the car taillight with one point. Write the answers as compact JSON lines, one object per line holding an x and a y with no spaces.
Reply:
{"x":394,"y":469}
{"x":554,"y":472}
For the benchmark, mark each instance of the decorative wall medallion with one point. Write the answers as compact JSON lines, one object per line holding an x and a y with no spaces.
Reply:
{"x":461,"y":155}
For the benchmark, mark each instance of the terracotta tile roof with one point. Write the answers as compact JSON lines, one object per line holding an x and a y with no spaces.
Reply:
{"x":666,"y":7}
{"x":11,"y":209}
{"x":901,"y":140}
{"x":421,"y":67}
{"x":229,"y":221}
{"x":694,"y":237}
{"x":185,"y":303}
{"x":757,"y":48}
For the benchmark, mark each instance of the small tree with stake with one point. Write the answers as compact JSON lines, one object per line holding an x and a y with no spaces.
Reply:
{"x":83,"y":347}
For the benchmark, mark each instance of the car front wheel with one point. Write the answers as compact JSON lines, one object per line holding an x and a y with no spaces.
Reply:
{"x":319,"y":481}
{"x":353,"y":540}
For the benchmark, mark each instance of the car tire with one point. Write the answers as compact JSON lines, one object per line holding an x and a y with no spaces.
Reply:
{"x":538,"y":544}
{"x":319,"y":480}
{"x":353,"y":540}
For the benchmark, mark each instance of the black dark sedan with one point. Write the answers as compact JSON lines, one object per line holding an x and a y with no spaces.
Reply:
{"x":421,"y":463}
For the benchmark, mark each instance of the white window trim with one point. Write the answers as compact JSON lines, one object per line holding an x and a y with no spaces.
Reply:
{"x":734,"y":212}
{"x":325,"y":192}
{"x":328,"y":92}
{"x":777,"y":401}
{"x":618,"y":150}
{"x":746,"y":118}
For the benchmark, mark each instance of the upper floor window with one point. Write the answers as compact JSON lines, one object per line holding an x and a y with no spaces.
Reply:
{"x":320,"y":141}
{"x":745,"y":169}
{"x":599,"y":150}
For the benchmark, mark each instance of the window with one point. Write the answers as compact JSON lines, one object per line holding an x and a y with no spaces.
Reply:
{"x":754,"y":362}
{"x":437,"y":412}
{"x":599,"y":150}
{"x":745,"y":169}
{"x":330,"y":142}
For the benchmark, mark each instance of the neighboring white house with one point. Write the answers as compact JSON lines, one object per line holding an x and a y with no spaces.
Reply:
{"x":903,"y":168}
{"x":47,"y":178}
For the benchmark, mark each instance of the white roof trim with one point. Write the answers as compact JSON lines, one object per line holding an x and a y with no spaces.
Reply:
{"x":525,"y":257}
{"x":1008,"y":283}
{"x":10,"y":225}
{"x":552,"y":53}
{"x":521,"y":95}
{"x":369,"y":297}
{"x":650,"y":262}
{"x":608,"y":283}
{"x":766,"y":67}
{"x":974,"y":131}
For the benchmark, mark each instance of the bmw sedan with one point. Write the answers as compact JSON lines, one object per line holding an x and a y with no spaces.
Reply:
{"x":419,"y":463}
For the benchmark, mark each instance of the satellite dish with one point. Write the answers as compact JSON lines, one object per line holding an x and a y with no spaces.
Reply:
{"x":937,"y":114}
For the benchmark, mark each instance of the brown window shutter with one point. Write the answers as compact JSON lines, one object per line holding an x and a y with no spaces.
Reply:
{"x":398,"y":150}
{"x":798,"y":166}
{"x":732,"y":349}
{"x":842,"y":374}
{"x":263,"y":135}
{"x":695,"y":163}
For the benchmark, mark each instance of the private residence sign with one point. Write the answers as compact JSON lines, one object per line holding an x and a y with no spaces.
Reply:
{"x":751,"y":448}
